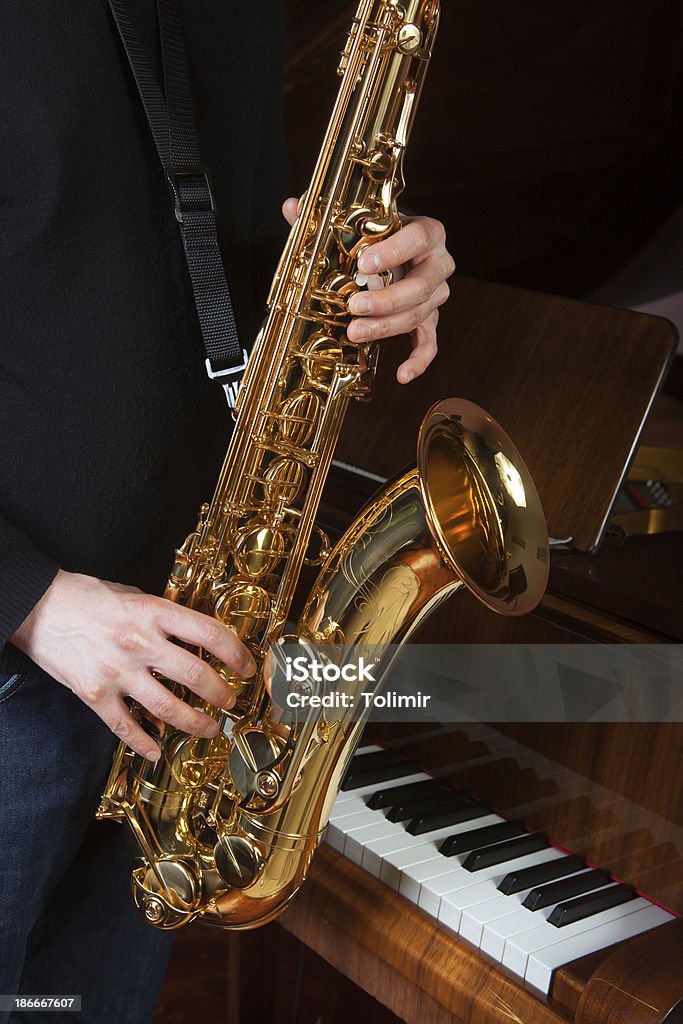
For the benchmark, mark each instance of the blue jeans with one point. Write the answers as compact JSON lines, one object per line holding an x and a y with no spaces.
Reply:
{"x":67,"y":921}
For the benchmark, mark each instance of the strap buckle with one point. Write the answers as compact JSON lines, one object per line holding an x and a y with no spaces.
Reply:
{"x":230,"y":378}
{"x":202,"y":198}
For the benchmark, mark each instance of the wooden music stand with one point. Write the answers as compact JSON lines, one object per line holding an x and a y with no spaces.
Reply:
{"x":572,"y":384}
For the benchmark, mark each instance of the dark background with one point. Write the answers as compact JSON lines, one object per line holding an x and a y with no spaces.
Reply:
{"x":549,"y":138}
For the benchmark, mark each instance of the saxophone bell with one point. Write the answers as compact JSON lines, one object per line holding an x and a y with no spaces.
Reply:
{"x":466,"y":515}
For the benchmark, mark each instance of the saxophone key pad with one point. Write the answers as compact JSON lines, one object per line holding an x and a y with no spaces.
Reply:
{"x":251,"y":757}
{"x":409,"y":38}
{"x":238,"y":861}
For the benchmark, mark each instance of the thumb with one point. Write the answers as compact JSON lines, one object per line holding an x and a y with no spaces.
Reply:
{"x":289,"y":208}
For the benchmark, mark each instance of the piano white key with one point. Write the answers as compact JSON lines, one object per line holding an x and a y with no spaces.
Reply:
{"x":357,"y":819}
{"x":357,"y":799}
{"x":416,"y":848}
{"x":357,"y":827}
{"x":413,"y":878}
{"x":397,"y":857}
{"x":493,"y":904}
{"x":348,"y":796}
{"x":496,"y":933}
{"x":376,"y":852}
{"x":415,"y":875}
{"x":401,"y":852}
{"x":347,"y":807}
{"x":484,"y":888}
{"x":439,"y":898}
{"x":337,"y":830}
{"x":357,"y":837}
{"x":518,"y":948}
{"x":391,"y":856}
{"x":393,"y":863}
{"x":475,"y":919}
{"x":334,"y":837}
{"x":540,"y":966}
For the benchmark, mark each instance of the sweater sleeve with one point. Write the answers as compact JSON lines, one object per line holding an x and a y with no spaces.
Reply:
{"x":25,"y":575}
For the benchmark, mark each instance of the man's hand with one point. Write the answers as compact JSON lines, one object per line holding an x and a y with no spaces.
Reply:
{"x":103,"y":641}
{"x":421,"y":264}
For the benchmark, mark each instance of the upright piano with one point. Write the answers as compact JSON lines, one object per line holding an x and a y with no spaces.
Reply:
{"x":520,"y":871}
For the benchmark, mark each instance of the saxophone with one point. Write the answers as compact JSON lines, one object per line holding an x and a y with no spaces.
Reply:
{"x":225,"y":828}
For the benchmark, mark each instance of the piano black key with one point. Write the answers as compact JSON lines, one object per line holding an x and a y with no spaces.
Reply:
{"x":527,"y":781}
{"x":478,"y":837}
{"x":378,"y":775}
{"x":489,"y":856}
{"x":373,"y":759}
{"x":593,"y":903}
{"x":437,"y":802}
{"x":565,"y":889}
{"x":517,"y":881}
{"x":390,"y":797}
{"x":375,"y":767}
{"x":456,"y":815}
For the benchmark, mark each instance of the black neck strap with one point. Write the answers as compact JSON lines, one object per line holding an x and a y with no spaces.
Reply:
{"x":172,"y":123}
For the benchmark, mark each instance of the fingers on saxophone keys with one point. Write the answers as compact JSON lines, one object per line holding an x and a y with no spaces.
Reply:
{"x":419,"y":237}
{"x":413,"y":291}
{"x":169,"y":708}
{"x":187,"y":669}
{"x":116,"y":715}
{"x":389,"y":326}
{"x":290,"y":210}
{"x":203,"y":631}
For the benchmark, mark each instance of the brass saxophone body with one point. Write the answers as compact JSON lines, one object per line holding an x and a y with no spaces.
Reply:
{"x":226,"y":828}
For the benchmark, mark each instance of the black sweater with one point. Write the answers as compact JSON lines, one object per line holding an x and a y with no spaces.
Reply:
{"x":111,"y":436}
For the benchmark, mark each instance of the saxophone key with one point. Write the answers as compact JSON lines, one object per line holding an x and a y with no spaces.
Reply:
{"x":298,"y":416}
{"x":194,"y":761}
{"x":283,"y":480}
{"x":238,"y":860}
{"x":290,"y":451}
{"x":259,"y":549}
{"x":319,"y":356}
{"x":409,"y":39}
{"x":253,"y":753}
{"x":348,"y":228}
{"x":334,"y":294}
{"x":236,"y":682}
{"x":167,"y":893}
{"x":243,"y":606}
